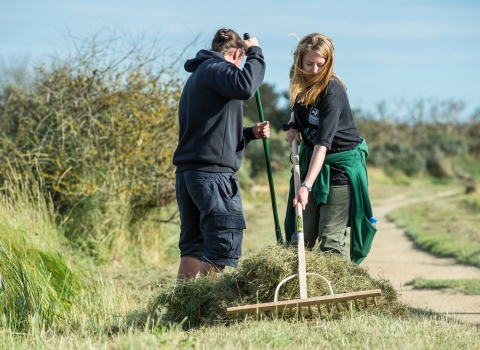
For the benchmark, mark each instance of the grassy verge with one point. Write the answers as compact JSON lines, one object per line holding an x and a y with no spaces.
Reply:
{"x":92,"y":314}
{"x":447,"y":226}
{"x":44,"y":288}
{"x":469,"y":286}
{"x":356,"y":332}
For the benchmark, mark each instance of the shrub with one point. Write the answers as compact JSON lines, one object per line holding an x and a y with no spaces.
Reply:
{"x":99,"y":129}
{"x":279,"y":153}
{"x":394,"y":156}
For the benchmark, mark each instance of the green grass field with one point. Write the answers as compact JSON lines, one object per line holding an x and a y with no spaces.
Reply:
{"x":95,"y":305}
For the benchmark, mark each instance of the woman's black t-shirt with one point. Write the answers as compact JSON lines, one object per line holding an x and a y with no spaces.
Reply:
{"x":329,"y":123}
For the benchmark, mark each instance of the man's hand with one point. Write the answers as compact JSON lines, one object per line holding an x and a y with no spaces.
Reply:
{"x":261,"y":130}
{"x":250,"y":42}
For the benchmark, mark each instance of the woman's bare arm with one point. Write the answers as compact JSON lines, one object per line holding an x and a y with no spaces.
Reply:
{"x":316,"y":163}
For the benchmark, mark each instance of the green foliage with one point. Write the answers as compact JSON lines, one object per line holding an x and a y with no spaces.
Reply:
{"x":270,"y":98}
{"x":34,"y":284}
{"x":255,"y":165}
{"x":39,"y":286}
{"x":469,"y":286}
{"x":424,"y":138}
{"x":279,"y":154}
{"x":394,"y":156}
{"x":467,"y":165}
{"x":98,"y":130}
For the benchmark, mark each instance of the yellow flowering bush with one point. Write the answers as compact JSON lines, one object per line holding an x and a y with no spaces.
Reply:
{"x":95,"y":129}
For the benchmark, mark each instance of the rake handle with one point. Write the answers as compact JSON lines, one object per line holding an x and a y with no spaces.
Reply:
{"x":302,"y":269}
{"x":278,"y":231}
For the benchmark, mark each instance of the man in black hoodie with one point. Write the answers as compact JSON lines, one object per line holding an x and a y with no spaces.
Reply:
{"x":210,"y":149}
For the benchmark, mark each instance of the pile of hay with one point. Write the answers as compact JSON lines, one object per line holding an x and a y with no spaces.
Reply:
{"x":204,"y":301}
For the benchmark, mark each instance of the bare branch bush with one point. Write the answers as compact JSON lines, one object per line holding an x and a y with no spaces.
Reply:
{"x":419,"y":137}
{"x":98,"y":128}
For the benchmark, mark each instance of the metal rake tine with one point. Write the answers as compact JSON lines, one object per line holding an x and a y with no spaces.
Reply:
{"x":329,"y":308}
{"x":375,"y":301}
{"x":365,"y":303}
{"x":347,"y":306}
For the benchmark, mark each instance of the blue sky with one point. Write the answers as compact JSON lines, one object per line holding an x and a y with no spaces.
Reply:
{"x":388,"y":51}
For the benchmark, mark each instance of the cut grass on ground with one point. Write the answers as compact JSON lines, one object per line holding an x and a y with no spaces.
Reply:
{"x":203,"y":302}
{"x":469,"y":286}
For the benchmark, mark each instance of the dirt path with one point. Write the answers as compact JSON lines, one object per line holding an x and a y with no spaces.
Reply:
{"x":395,"y":257}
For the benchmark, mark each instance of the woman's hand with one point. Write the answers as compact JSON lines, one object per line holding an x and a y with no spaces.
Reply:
{"x":261,"y":130}
{"x":301,"y":197}
{"x":316,"y":163}
{"x":292,"y":133}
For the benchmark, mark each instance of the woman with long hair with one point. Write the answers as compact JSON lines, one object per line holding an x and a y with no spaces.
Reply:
{"x":334,"y":189}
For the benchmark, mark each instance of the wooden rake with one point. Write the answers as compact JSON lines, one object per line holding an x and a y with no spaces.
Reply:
{"x":286,"y":307}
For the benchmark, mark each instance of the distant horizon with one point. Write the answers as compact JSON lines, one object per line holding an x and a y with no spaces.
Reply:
{"x":385,"y":52}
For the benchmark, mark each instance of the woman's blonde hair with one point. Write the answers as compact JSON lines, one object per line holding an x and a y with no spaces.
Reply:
{"x":305,"y":88}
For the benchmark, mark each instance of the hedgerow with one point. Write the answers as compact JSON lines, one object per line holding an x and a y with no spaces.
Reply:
{"x":98,"y":129}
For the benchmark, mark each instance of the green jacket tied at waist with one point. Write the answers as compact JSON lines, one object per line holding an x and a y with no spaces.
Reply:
{"x":361,"y":231}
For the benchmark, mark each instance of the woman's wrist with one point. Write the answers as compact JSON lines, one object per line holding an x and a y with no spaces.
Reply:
{"x":290,"y":125}
{"x":305,"y":185}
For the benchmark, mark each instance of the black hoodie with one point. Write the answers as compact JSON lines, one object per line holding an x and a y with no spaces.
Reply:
{"x":212,"y":137}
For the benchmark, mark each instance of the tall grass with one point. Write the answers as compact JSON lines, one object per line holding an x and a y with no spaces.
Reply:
{"x":42,"y":287}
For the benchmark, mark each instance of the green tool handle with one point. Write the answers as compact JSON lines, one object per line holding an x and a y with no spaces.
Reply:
{"x":278,"y":231}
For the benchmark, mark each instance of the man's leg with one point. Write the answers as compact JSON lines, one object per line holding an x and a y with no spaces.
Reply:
{"x":191,"y":239}
{"x":207,"y":268}
{"x":217,"y":196}
{"x":189,"y":268}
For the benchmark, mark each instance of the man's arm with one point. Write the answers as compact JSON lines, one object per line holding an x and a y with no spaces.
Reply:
{"x":241,"y":84}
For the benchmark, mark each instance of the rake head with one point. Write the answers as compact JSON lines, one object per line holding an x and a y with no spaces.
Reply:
{"x":286,"y":307}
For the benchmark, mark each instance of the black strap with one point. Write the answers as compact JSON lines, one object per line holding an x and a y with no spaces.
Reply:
{"x":291,"y":125}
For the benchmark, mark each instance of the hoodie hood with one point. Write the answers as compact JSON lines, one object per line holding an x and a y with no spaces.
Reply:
{"x":192,"y":64}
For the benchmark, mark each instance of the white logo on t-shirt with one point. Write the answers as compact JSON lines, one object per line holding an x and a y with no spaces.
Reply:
{"x":313,"y":116}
